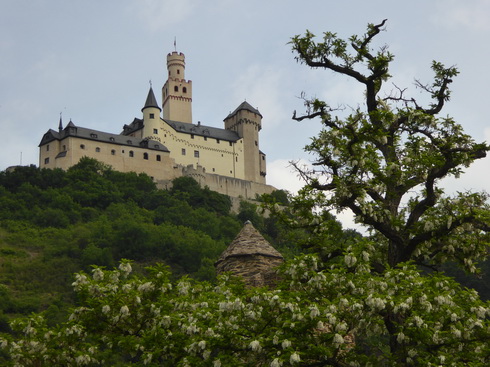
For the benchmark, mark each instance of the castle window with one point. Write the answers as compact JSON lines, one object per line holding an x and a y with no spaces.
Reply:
{"x":205,"y":138}
{"x":82,"y":146}
{"x":93,"y":135}
{"x":145,"y":156}
{"x":159,"y":158}
{"x":183,"y":151}
{"x":231,"y":144}
{"x":192,"y":136}
{"x":47,"y":148}
{"x":113,"y":152}
{"x":256,"y":143}
{"x":236,"y":159}
{"x":184,"y":89}
{"x":64,"y":147}
{"x":214,"y":170}
{"x":217,"y":141}
{"x":196,"y":154}
{"x":178,"y":71}
{"x":152,"y":115}
{"x":176,"y":89}
{"x":46,"y":160}
{"x":263,"y":158}
{"x":131,"y":153}
{"x":97,"y":150}
{"x":155,"y":131}
{"x":129,"y":142}
{"x":112,"y":138}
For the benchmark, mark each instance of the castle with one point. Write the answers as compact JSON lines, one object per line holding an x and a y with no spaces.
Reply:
{"x":165,"y":143}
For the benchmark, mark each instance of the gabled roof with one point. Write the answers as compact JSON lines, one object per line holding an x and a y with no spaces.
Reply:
{"x":71,"y":130}
{"x":249,"y":242}
{"x":244,"y":106}
{"x":203,"y":130}
{"x":151,"y":101}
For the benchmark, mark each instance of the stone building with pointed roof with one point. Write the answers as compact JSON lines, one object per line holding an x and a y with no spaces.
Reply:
{"x":165,"y":143}
{"x":251,"y":257}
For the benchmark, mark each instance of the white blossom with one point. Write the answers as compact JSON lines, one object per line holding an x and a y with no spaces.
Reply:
{"x":286,"y":344}
{"x":106,"y":309}
{"x":202,"y":344}
{"x":255,"y":346}
{"x":294,"y":358}
{"x":97,"y":274}
{"x":124,"y":311}
{"x":276,"y":363}
{"x":125,"y":268}
{"x":350,"y":260}
{"x":338,"y":340}
{"x":145,"y":287}
{"x":216,"y":363}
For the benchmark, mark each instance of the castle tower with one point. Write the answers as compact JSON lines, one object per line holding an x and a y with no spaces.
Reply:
{"x":246,"y":121}
{"x":177,"y":92}
{"x":151,"y":117}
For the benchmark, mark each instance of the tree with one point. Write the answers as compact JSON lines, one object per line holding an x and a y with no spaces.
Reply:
{"x":314,"y":318}
{"x":386,"y":159}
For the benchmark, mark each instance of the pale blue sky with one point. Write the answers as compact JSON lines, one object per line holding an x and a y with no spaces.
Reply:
{"x":92,"y":60}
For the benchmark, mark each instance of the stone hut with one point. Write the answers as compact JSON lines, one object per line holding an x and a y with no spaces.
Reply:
{"x":251,"y":257}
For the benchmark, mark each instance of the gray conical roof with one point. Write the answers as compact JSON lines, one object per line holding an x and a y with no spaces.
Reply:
{"x":151,"y":101}
{"x":244,"y":106}
{"x":249,"y":242}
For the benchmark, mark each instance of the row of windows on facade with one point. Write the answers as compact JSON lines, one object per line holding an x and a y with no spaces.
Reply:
{"x":176,"y":89}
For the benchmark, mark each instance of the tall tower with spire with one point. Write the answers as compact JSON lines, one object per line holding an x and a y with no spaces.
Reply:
{"x":177,"y":91}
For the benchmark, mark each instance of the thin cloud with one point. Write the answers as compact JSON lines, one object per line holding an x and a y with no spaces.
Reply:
{"x":161,"y":14}
{"x":263,"y":87}
{"x":471,"y":14}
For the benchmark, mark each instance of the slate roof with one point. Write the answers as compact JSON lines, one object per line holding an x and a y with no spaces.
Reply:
{"x":80,"y":132}
{"x":151,"y":101}
{"x":244,"y":106}
{"x":249,"y":242}
{"x":203,"y":130}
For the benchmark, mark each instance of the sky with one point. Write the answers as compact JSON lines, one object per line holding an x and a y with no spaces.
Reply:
{"x":92,"y":61}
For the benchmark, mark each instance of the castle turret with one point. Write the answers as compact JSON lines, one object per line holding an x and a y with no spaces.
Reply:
{"x":246,"y":121}
{"x":151,"y":117}
{"x":177,"y":92}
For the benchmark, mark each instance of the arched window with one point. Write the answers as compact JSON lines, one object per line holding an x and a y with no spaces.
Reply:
{"x":176,"y":89}
{"x":159,"y":158}
{"x":145,"y":156}
{"x":97,"y":150}
{"x":82,"y":146}
{"x":184,"y":89}
{"x":131,"y":153}
{"x":178,"y":71}
{"x":113,"y":152}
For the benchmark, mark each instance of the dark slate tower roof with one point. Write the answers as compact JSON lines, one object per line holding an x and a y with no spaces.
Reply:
{"x":244,"y":106}
{"x":151,"y":101}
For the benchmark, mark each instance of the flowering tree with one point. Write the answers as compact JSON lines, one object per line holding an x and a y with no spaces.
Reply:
{"x":314,"y":318}
{"x":386,"y":159}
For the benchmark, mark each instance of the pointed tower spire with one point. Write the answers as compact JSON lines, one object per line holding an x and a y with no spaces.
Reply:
{"x":151,"y":101}
{"x":60,"y":126}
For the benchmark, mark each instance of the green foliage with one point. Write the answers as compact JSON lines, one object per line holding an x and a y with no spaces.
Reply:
{"x":329,"y":318}
{"x":385,"y":162}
